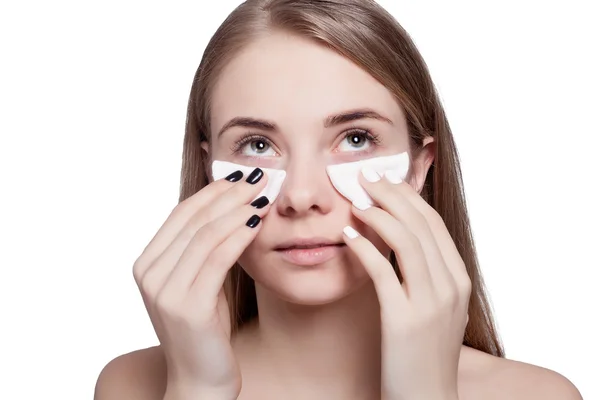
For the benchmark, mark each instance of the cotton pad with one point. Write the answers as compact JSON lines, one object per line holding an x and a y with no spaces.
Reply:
{"x":344,"y":177}
{"x":220,"y":169}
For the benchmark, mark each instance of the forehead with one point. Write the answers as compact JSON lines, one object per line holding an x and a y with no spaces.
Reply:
{"x":295,"y":82}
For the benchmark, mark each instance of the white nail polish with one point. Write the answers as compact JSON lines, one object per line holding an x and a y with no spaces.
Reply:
{"x":393,"y":176}
{"x":370,"y":174}
{"x":361,"y":205}
{"x":350,"y":232}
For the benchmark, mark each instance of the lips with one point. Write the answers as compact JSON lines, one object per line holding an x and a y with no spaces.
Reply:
{"x":307,"y":243}
{"x":315,"y":246}
{"x":310,"y":257}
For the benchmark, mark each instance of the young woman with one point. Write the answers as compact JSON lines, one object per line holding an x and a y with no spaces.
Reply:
{"x":312,"y":296}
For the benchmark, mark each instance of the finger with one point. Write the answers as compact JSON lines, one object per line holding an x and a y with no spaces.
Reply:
{"x":392,"y":198}
{"x":452,"y":258}
{"x":206,"y":241}
{"x":180,"y":216}
{"x":210,"y":279}
{"x":206,"y":236}
{"x":407,"y":247}
{"x":227,"y":202}
{"x":238,"y":195}
{"x":390,"y":293}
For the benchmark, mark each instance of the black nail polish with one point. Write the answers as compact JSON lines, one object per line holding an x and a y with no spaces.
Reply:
{"x":235,"y":176}
{"x":253,"y":221}
{"x":260,"y":202}
{"x":255,"y":176}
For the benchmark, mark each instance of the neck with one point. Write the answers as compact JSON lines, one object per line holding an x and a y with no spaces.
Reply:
{"x":336,"y":346}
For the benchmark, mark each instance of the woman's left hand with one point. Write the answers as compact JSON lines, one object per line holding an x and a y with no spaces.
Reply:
{"x":423,"y":319}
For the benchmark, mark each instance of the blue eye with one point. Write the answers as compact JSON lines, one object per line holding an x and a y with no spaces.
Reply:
{"x":253,"y":145}
{"x":259,"y":146}
{"x":358,"y":140}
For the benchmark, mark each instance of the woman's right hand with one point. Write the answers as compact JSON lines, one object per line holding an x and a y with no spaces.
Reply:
{"x":181,"y":274}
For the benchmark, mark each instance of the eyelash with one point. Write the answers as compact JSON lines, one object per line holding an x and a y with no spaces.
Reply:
{"x":239,"y":144}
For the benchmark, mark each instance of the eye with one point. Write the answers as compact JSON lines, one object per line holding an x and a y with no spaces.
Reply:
{"x":358,"y":140}
{"x":252,"y":146}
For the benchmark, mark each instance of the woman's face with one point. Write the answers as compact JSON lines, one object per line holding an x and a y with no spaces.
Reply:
{"x":293,"y":87}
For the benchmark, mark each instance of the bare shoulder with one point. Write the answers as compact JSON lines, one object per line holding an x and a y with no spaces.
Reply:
{"x":139,"y":375}
{"x":490,"y":377}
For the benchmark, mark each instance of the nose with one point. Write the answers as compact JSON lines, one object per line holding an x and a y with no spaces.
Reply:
{"x":306,"y":190}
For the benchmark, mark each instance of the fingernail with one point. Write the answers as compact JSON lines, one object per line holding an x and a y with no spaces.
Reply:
{"x":253,"y":221}
{"x":234,"y":176}
{"x":255,"y":176}
{"x":350,"y":232}
{"x":370,"y":174}
{"x":260,"y":202}
{"x":393,"y":176}
{"x":361,"y":205}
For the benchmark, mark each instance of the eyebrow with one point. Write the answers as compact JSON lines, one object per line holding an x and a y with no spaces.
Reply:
{"x":330,"y":121}
{"x":354,"y":115}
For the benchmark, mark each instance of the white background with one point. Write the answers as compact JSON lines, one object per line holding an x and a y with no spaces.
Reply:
{"x":93,"y":98}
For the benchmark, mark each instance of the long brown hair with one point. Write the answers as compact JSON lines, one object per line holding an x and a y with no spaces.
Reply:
{"x":365,"y":33}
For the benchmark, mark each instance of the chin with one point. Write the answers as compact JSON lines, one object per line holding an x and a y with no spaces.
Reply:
{"x":310,"y":285}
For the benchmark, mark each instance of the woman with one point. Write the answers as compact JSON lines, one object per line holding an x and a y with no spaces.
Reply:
{"x":355,"y":302}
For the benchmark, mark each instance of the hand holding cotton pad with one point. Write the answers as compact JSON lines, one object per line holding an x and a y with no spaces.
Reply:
{"x":220,"y":169}
{"x":344,"y":177}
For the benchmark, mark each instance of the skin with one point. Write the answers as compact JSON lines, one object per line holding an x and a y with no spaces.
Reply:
{"x":339,"y":330}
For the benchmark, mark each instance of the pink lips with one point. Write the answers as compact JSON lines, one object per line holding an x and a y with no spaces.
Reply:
{"x":314,"y":255}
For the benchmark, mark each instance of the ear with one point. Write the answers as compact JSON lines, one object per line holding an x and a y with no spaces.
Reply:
{"x":204,"y":145}
{"x":205,"y":156}
{"x":422,"y":162}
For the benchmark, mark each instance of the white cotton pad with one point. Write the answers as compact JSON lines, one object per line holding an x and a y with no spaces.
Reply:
{"x":344,"y":177}
{"x":220,"y":169}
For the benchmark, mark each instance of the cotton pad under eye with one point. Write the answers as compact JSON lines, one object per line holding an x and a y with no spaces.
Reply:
{"x":220,"y":169}
{"x":344,"y":177}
